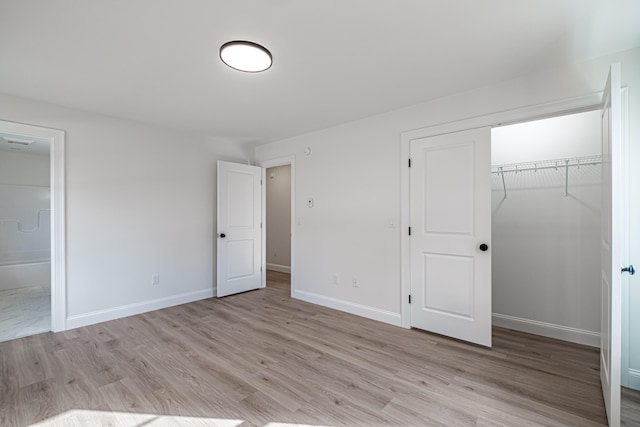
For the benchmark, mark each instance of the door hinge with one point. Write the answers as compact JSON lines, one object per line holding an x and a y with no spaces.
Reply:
{"x":260,"y":268}
{"x":260,"y":225}
{"x":409,"y":298}
{"x":260,"y":182}
{"x":409,"y":231}
{"x":409,"y":162}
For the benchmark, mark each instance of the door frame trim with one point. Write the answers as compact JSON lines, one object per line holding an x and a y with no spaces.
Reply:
{"x":517,"y":115}
{"x":56,"y":138}
{"x":270,"y":163}
{"x":627,"y":378}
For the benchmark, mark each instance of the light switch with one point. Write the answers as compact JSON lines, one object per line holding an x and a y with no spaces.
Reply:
{"x":310,"y":202}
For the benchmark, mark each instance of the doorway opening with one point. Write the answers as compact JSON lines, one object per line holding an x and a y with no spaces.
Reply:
{"x":546,"y":227}
{"x":25,"y":236}
{"x":32,"y":229}
{"x":278,"y":233}
{"x":278,"y":226}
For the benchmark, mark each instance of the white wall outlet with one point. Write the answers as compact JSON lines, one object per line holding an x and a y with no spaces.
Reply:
{"x":155,"y":279}
{"x":334,"y":279}
{"x":355,"y":282}
{"x":310,"y":202}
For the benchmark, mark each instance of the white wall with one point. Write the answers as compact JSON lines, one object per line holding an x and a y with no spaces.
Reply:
{"x":546,"y":246}
{"x":140,"y":200}
{"x":573,"y":135}
{"x":353,"y":174}
{"x":278,"y":191}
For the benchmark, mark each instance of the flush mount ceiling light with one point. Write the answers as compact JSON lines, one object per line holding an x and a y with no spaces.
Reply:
{"x":245,"y":56}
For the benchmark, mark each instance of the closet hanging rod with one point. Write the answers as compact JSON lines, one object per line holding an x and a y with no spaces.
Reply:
{"x":547,"y":164}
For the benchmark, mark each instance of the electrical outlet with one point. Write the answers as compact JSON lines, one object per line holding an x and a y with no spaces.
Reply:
{"x":334,"y":279}
{"x":355,"y":282}
{"x":155,"y":279}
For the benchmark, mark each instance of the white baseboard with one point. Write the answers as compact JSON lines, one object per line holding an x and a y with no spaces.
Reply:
{"x":634,"y":379}
{"x":99,"y":316}
{"x":278,"y":267}
{"x":350,"y":307}
{"x":565,"y":333}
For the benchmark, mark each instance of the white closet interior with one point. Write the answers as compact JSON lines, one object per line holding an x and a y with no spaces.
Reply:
{"x":546,"y":227}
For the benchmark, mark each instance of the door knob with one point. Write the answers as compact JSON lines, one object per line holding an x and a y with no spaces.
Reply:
{"x":484,"y":247}
{"x":631,"y":270}
{"x":222,"y":235}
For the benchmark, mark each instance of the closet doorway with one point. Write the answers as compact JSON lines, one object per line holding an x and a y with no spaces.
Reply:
{"x":278,"y":242}
{"x":546,"y":227}
{"x":278,"y":195}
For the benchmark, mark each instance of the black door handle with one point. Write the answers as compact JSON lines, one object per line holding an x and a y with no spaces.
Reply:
{"x":222,"y":235}
{"x":484,"y":247}
{"x":631,"y":270}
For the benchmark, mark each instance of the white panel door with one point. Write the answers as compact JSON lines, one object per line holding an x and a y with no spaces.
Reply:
{"x":611,"y":313}
{"x":239,"y":229}
{"x":450,"y":226}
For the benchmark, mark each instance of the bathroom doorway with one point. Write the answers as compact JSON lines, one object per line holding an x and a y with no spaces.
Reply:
{"x":25,"y":236}
{"x":32,"y":255}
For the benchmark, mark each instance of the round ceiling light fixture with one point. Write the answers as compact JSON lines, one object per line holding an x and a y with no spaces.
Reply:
{"x":246,"y":56}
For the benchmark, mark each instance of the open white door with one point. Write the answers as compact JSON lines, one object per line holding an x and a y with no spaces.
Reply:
{"x":239,"y":232}
{"x":450,"y":179}
{"x":610,"y":332}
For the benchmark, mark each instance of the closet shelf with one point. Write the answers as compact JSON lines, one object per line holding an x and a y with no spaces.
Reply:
{"x":557,"y":164}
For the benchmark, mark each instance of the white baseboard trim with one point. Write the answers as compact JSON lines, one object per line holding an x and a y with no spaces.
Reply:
{"x":99,"y":316}
{"x":350,"y":307}
{"x":278,"y":267}
{"x":634,"y":379}
{"x":565,"y":333}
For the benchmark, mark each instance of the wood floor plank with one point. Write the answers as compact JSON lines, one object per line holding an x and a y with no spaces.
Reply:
{"x":261,"y":357}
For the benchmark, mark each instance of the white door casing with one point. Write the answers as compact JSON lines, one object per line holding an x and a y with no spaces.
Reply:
{"x":239,"y":238}
{"x":610,"y":331}
{"x":450,"y":212}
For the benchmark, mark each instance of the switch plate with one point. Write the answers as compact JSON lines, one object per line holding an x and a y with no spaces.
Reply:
{"x":310,"y":202}
{"x":155,"y":279}
{"x":355,"y":282}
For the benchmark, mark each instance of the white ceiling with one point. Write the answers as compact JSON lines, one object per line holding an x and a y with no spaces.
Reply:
{"x":334,"y":60}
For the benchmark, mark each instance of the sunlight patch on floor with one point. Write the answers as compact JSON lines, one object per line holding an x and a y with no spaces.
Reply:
{"x":82,"y":418}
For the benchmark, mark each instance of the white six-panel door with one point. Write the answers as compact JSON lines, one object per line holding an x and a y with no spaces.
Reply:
{"x":450,"y":180}
{"x":239,"y":233}
{"x":611,"y":313}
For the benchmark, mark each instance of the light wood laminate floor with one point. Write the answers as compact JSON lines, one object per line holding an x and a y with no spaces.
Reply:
{"x":261,"y":358}
{"x":630,"y":407}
